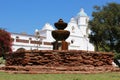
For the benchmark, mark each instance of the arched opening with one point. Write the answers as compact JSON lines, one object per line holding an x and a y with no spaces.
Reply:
{"x":20,"y":49}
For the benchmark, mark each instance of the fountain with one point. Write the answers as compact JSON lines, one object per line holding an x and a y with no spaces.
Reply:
{"x":60,"y":36}
{"x":60,"y":59}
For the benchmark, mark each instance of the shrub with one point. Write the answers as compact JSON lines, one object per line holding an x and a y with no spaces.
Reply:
{"x":2,"y":61}
{"x":117,"y":56}
{"x":5,"y":42}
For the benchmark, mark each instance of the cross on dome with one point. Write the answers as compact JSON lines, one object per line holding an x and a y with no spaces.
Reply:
{"x":81,"y":10}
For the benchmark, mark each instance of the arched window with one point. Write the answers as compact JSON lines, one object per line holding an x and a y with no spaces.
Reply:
{"x":30,"y":38}
{"x":72,"y":41}
{"x":73,"y":29}
{"x":17,"y":37}
{"x":86,"y":21}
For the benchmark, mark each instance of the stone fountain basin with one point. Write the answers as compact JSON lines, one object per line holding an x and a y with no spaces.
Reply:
{"x":60,"y":25}
{"x":60,"y":34}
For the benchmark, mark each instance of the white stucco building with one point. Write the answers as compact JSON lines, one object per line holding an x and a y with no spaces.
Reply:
{"x":78,"y":39}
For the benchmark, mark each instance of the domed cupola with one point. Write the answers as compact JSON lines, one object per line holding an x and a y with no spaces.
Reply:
{"x":47,"y":26}
{"x":73,"y":20}
{"x":81,"y":13}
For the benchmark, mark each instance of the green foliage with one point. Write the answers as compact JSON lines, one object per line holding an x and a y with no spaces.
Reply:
{"x":5,"y":42}
{"x":105,"y":27}
{"x":117,"y":56}
{"x":2,"y":61}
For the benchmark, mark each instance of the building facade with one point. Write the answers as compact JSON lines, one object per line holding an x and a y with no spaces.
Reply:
{"x":42,"y":39}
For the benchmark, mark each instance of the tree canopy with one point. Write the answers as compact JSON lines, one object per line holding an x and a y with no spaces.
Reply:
{"x":5,"y":42}
{"x":105,"y":27}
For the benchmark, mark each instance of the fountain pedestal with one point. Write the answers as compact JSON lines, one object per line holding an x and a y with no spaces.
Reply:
{"x":60,"y":45}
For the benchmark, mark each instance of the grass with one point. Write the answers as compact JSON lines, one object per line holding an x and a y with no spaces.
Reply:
{"x":100,"y":76}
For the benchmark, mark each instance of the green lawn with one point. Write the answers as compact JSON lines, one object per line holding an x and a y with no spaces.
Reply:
{"x":100,"y":76}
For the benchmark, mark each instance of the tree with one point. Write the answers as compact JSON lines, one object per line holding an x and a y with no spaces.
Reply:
{"x":105,"y":27}
{"x":5,"y":42}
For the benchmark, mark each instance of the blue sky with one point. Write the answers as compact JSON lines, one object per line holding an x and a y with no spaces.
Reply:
{"x":27,"y":15}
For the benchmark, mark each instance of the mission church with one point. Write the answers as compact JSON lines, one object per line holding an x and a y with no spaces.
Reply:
{"x":42,"y":39}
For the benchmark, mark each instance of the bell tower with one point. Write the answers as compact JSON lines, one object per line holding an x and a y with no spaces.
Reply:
{"x":82,"y":21}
